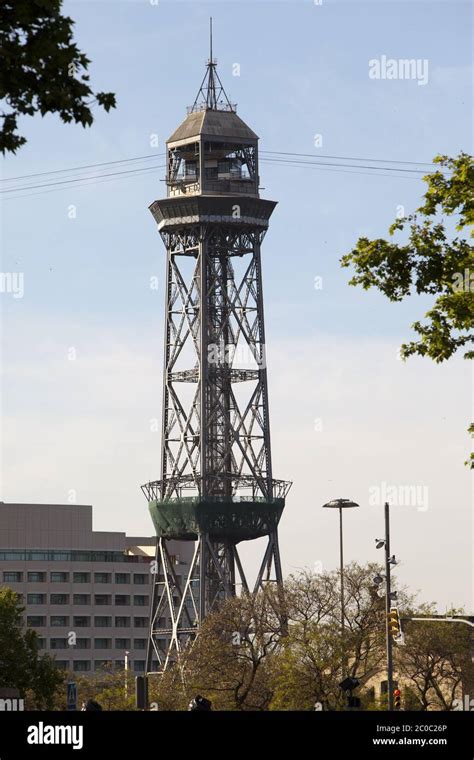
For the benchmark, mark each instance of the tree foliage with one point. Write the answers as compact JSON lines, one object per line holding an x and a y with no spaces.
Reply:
{"x":231,"y":660}
{"x":21,"y":665}
{"x":43,"y":71}
{"x":309,"y":666}
{"x":436,"y":661}
{"x":431,"y":261}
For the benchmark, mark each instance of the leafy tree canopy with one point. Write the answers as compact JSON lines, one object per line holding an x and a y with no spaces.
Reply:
{"x":431,"y":261}
{"x":42,"y":69}
{"x":21,"y":666}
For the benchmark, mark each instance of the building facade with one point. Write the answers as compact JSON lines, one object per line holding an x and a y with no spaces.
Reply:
{"x":85,"y":592}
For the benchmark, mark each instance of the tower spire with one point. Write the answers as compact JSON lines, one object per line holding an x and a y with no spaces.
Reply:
{"x":211,"y":94}
{"x":210,"y":37}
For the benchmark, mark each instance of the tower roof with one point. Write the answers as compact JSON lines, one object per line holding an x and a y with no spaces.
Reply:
{"x":213,"y":123}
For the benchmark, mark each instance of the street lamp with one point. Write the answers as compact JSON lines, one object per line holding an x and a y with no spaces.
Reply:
{"x":341,"y":504}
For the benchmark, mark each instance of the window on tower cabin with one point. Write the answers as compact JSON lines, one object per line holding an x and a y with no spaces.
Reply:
{"x":228,"y":161}
{"x":183,"y":163}
{"x":190,"y":169}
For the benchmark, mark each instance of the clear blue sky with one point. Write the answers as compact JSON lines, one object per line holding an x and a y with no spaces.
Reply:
{"x":84,"y":425}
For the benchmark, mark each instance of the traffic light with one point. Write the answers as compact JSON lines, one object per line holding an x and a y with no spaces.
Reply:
{"x":394,"y":625}
{"x":397,"y":699}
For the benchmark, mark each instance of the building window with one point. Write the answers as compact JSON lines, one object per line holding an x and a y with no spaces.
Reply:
{"x":122,"y":577}
{"x":36,"y":577}
{"x":59,"y":577}
{"x":122,"y":643}
{"x":102,"y":643}
{"x":68,"y":556}
{"x":139,"y":666}
{"x":59,"y":620}
{"x":83,"y":644}
{"x":101,"y":599}
{"x":139,"y":579}
{"x":81,"y":621}
{"x":58,"y":643}
{"x":122,"y":622}
{"x":42,"y":643}
{"x":122,"y":600}
{"x":81,"y":666}
{"x":12,"y":576}
{"x":102,"y":664}
{"x":36,"y":598}
{"x":139,"y":643}
{"x":35,"y":621}
{"x":59,"y":598}
{"x":141,"y":601}
{"x":102,"y":621}
{"x":82,"y":599}
{"x":81,"y":577}
{"x":102,"y":577}
{"x":140,"y":622}
{"x":62,"y":664}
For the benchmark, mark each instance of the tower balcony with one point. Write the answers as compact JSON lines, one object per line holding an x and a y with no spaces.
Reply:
{"x":241,"y":516}
{"x":237,"y":210}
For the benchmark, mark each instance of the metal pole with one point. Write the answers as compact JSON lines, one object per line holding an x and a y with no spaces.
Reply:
{"x":126,"y":674}
{"x":341,"y":552}
{"x":387,"y":609}
{"x":439,"y":620}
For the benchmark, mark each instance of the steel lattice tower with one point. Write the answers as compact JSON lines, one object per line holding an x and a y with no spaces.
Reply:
{"x":216,"y":487}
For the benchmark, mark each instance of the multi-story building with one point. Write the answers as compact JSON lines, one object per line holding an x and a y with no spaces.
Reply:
{"x":86,"y":592}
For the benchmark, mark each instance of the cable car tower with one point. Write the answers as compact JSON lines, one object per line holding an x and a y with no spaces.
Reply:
{"x":216,"y":485}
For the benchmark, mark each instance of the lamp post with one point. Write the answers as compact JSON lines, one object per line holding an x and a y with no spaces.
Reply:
{"x":341,"y":504}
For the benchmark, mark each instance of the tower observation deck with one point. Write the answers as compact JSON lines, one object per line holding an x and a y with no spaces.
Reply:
{"x":216,"y":485}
